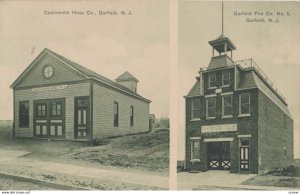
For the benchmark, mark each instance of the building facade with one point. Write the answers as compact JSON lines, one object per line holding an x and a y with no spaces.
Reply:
{"x":235,"y":118}
{"x":55,"y":98}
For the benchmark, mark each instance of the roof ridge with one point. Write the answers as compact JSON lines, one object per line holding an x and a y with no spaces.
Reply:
{"x":92,"y":74}
{"x":126,"y":76}
{"x":84,"y":71}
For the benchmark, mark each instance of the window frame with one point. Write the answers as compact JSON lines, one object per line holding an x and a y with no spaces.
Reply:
{"x":21,"y":121}
{"x":51,"y":109}
{"x":193,"y":148}
{"x":193,"y":109}
{"x":229,"y":78}
{"x":223,"y":106}
{"x":284,"y":152}
{"x":116,"y":115}
{"x":215,"y":107}
{"x":240,"y":104}
{"x":37,"y":110}
{"x":45,"y":73}
{"x":209,"y":81}
{"x":131,"y":116}
{"x":244,"y":139}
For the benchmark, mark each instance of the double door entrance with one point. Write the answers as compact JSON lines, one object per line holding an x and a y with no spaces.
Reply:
{"x":49,"y":118}
{"x":218,"y":155}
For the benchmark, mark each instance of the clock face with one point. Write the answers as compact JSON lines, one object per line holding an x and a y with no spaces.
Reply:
{"x":48,"y":71}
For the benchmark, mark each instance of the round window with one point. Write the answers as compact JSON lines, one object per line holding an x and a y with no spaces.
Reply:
{"x":48,"y":71}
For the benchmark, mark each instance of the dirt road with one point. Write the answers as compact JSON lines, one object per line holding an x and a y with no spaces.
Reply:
{"x":80,"y":176}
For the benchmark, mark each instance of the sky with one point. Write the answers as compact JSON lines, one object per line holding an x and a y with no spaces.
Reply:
{"x":139,"y":43}
{"x":106,"y":44}
{"x":273,"y":46}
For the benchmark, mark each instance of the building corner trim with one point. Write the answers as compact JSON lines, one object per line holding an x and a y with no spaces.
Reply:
{"x":14,"y":117}
{"x":91,"y":111}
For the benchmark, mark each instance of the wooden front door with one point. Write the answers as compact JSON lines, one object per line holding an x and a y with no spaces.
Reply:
{"x":218,"y":155}
{"x":82,"y":118}
{"x":244,"y":158}
{"x":49,"y":118}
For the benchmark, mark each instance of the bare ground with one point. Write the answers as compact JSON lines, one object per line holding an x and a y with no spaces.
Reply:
{"x":143,"y":152}
{"x":8,"y":184}
{"x":274,"y":181}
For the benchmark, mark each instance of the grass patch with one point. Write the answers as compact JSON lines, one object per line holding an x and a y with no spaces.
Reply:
{"x":275,"y":181}
{"x":148,"y":151}
{"x":144,"y":151}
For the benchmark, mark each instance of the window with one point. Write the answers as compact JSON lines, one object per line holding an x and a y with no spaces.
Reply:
{"x":195,"y":149}
{"x":212,"y":81}
{"x":82,"y":102}
{"x":24,"y":114}
{"x":226,"y":79}
{"x":244,"y":142}
{"x":48,"y":71}
{"x":244,"y":103}
{"x":211,"y":107}
{"x":131,"y":115}
{"x":284,"y":152}
{"x":41,"y":110}
{"x":116,"y":114}
{"x":196,"y":109}
{"x":227,"y":105}
{"x":56,"y":109}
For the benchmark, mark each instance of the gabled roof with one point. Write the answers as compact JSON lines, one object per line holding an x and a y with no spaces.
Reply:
{"x":195,"y":91}
{"x":126,"y":76}
{"x":87,"y":73}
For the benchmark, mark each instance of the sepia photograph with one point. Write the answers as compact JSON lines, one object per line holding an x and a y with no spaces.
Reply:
{"x":84,"y":95}
{"x":238,"y":110}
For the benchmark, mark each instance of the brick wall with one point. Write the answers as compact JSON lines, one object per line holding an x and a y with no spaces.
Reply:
{"x":245,"y":125}
{"x":275,"y":132}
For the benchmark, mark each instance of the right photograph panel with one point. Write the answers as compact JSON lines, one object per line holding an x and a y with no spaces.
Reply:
{"x":239,"y":108}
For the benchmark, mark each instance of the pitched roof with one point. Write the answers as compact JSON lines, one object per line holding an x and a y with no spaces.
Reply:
{"x":89,"y":74}
{"x":250,"y":79}
{"x":247,"y":80}
{"x":195,"y":91}
{"x":220,"y":61}
{"x":126,"y":76}
{"x":219,"y":43}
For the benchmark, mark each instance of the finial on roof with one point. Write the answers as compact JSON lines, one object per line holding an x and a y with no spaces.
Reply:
{"x":222,"y":18}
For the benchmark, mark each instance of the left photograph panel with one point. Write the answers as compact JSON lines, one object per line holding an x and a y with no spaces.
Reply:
{"x":84,"y":89}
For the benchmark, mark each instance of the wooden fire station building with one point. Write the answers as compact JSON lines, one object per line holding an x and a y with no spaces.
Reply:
{"x":235,"y":118}
{"x":55,"y":98}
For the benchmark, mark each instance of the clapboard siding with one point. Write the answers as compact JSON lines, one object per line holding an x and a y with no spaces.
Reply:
{"x":103,"y":125}
{"x":62,"y":73}
{"x":71,"y":91}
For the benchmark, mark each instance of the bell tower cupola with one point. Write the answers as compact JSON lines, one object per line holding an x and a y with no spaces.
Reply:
{"x":224,"y":47}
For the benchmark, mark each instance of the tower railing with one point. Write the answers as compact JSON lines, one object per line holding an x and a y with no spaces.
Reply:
{"x":250,"y":63}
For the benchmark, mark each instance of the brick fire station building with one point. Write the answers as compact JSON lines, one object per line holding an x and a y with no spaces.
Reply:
{"x":56,"y":98}
{"x":235,"y":118}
